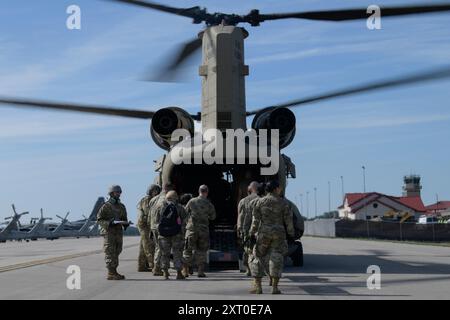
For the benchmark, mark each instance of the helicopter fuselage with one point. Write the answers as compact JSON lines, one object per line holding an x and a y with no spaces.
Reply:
{"x":223,"y":73}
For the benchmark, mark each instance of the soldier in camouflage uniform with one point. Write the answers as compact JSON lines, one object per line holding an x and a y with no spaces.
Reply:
{"x":247,"y":224}
{"x":171,"y":244}
{"x":147,"y":244}
{"x":185,"y":198}
{"x":271,"y":218}
{"x":153,"y":226}
{"x":200,"y":212}
{"x":112,"y":219}
{"x":243,"y":212}
{"x":298,"y":220}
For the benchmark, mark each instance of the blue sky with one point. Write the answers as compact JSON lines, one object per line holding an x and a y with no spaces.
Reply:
{"x":64,"y":161}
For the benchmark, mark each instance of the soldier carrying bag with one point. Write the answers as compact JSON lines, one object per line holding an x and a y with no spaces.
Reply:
{"x":170,"y":224}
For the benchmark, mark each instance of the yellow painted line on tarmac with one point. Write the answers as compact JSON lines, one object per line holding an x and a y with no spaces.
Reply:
{"x":53,"y":260}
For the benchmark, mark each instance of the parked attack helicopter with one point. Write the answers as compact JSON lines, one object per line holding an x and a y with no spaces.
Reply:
{"x":223,"y":72}
{"x":38,"y":229}
{"x":12,"y":227}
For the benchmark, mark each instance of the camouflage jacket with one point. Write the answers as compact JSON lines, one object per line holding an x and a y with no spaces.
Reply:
{"x":272,"y":214}
{"x":243,"y":211}
{"x":247,"y":224}
{"x":299,"y":222}
{"x":109,"y":212}
{"x":180,"y":209}
{"x":153,"y":203}
{"x":200,"y":211}
{"x":143,"y":213}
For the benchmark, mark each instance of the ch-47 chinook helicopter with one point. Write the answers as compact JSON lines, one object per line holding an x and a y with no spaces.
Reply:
{"x":223,"y":73}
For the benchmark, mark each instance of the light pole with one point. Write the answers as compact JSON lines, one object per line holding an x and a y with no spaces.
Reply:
{"x":365,"y":201}
{"x":315,"y":202}
{"x":307,"y":204}
{"x":437,"y":205}
{"x":342,"y":188}
{"x":301,"y":203}
{"x":329,"y":196}
{"x":435,"y":214}
{"x":364,"y":178}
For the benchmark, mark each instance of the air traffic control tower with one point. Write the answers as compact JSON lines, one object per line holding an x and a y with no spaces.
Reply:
{"x":411,"y":187}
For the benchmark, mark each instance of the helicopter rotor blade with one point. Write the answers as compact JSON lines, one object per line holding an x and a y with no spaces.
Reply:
{"x":433,"y":75}
{"x":350,"y":14}
{"x":194,"y":12}
{"x":101,"y":110}
{"x":62,"y":106}
{"x":170,"y":71}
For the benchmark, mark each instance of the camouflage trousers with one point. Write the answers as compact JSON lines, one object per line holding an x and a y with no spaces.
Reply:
{"x":157,"y":253}
{"x":245,"y":258}
{"x":196,"y":247}
{"x":247,"y":255}
{"x":244,"y":249}
{"x":174,"y":245}
{"x":112,"y":246}
{"x":268,"y":254}
{"x":146,"y":250}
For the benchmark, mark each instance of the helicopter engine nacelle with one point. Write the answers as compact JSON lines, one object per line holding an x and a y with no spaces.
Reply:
{"x":166,"y":121}
{"x":282,"y":119}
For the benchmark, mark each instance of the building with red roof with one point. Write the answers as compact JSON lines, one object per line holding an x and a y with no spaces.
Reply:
{"x":440,"y":208}
{"x":373,"y":205}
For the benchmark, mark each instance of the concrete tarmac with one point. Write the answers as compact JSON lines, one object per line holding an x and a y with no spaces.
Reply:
{"x":334,"y":269}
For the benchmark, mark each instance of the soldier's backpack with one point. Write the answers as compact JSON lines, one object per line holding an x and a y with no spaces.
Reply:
{"x":170,"y":224}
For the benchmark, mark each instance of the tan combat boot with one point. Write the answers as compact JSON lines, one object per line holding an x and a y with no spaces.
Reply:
{"x":122,"y":277}
{"x":110,"y":275}
{"x":180,"y":275}
{"x":275,"y":289}
{"x":200,"y":271}
{"x":166,"y":274}
{"x":157,"y":271}
{"x":185,"y":271}
{"x":113,"y":275}
{"x":257,"y":287}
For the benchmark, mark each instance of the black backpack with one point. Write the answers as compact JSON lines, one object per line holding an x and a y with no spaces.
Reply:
{"x":170,"y":224}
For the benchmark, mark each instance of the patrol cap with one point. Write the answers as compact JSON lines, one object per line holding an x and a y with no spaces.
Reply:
{"x":114,"y":188}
